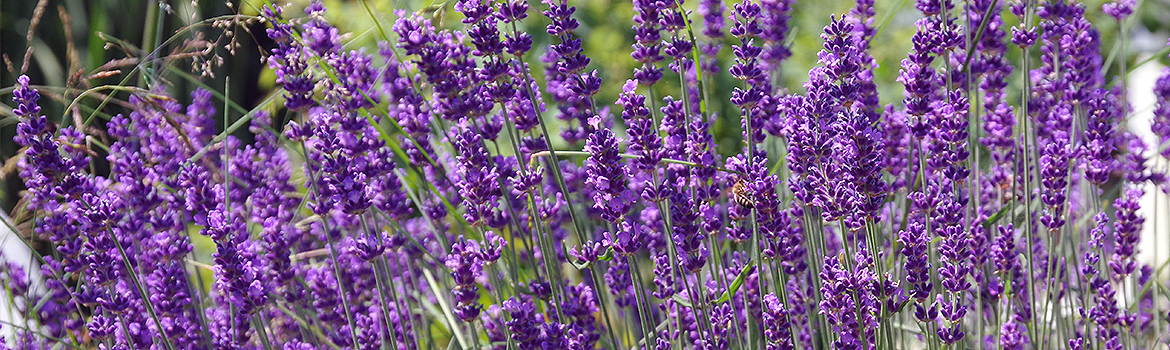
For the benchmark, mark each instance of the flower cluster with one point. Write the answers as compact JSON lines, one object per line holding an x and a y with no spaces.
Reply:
{"x":421,"y":195}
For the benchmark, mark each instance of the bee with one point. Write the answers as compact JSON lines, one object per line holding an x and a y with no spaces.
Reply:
{"x":741,"y":195}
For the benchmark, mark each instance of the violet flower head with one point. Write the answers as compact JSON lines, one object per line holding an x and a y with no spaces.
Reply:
{"x":713,"y":25}
{"x":566,"y":61}
{"x":847,"y":303}
{"x":524,"y":324}
{"x":647,"y":47}
{"x":1127,"y":231}
{"x":389,"y":195}
{"x":618,"y":278}
{"x":955,"y":252}
{"x":572,"y":60}
{"x":513,"y":11}
{"x":1003,"y":250}
{"x":319,"y":36}
{"x":664,"y":277}
{"x":687,"y":234}
{"x":915,"y":244}
{"x":33,"y":123}
{"x":580,"y":306}
{"x":675,"y":129}
{"x":777,"y":327}
{"x":1054,"y":163}
{"x":1100,"y":138}
{"x":922,"y":81}
{"x":746,"y":69}
{"x":1135,"y":162}
{"x":929,"y":7}
{"x":774,"y":16}
{"x":237,"y":269}
{"x":493,"y":247}
{"x":355,"y":89}
{"x":478,"y":179}
{"x":553,"y":336}
{"x":999,"y":121}
{"x":493,"y":323}
{"x":45,"y":162}
{"x":606,"y":174}
{"x":627,"y":239}
{"x":289,"y":61}
{"x":1104,"y":312}
{"x":1012,"y":336}
{"x":563,"y":25}
{"x":466,"y":265}
{"x":1160,"y":125}
{"x":644,"y":140}
{"x":1119,"y":9}
{"x":1023,"y":37}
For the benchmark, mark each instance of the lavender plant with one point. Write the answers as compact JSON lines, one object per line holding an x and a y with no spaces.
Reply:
{"x":466,"y":186}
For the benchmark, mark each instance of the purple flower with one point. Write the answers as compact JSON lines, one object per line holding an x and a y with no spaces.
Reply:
{"x":45,"y":164}
{"x":1054,"y":164}
{"x":1011,"y":335}
{"x":777,"y":328}
{"x":644,"y":140}
{"x":493,"y":247}
{"x":1004,"y":255}
{"x":915,"y":244}
{"x":1160,"y":126}
{"x":922,"y":81}
{"x":566,"y":62}
{"x":478,"y":178}
{"x":1127,"y":231}
{"x":774,"y":16}
{"x":847,"y":302}
{"x":606,"y":174}
{"x":999,"y":121}
{"x":1071,"y":69}
{"x":833,"y":143}
{"x":1134,"y":163}
{"x":524,"y":324}
{"x":580,"y":307}
{"x":289,"y":61}
{"x":754,"y":97}
{"x":466,"y":265}
{"x":319,"y":36}
{"x":627,"y":238}
{"x":1100,"y":137}
{"x":493,"y":323}
{"x":618,"y":278}
{"x":713,"y":22}
{"x":688,"y":238}
{"x":648,"y":16}
{"x":664,"y":278}
{"x":1119,"y":9}
{"x":236,"y":268}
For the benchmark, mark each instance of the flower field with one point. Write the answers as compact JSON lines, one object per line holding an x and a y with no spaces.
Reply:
{"x":661,"y":174}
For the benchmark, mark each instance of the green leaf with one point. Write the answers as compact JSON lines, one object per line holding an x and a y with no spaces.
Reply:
{"x":608,"y":255}
{"x":604,"y":257}
{"x":995,"y":217}
{"x":738,"y":282}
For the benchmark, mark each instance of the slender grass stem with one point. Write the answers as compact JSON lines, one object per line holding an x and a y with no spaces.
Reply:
{"x":332,"y":253}
{"x":379,"y":269}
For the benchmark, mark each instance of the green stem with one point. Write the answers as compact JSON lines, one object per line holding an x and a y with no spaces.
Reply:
{"x":379,"y":269}
{"x":332,"y":254}
{"x":644,"y":310}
